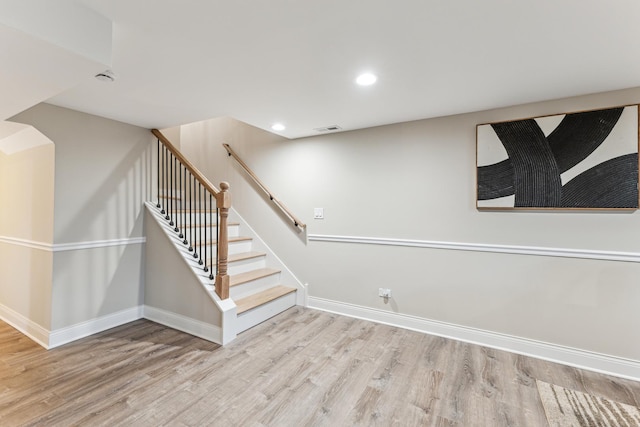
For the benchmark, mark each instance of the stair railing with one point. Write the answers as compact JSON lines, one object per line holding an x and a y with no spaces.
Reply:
{"x":296,"y":222}
{"x":186,"y":199}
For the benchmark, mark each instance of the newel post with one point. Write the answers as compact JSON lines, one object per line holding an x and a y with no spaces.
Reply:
{"x":223,"y":203}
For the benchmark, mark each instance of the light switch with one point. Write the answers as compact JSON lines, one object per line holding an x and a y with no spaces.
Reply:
{"x":318,"y":213}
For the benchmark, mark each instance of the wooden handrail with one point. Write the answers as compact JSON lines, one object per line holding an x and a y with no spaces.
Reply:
{"x":264,"y":188}
{"x":186,"y":163}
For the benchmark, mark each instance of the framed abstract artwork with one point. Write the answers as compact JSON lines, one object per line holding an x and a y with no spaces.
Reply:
{"x":584,"y":160}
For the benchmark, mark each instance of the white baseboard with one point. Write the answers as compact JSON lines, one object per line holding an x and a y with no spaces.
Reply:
{"x":93,"y":326}
{"x":75,"y":332}
{"x":185,"y":324}
{"x":27,"y":326}
{"x":610,"y":365}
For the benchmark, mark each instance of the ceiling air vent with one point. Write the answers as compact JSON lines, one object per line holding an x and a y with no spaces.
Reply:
{"x":328,"y":128}
{"x":107,"y":76}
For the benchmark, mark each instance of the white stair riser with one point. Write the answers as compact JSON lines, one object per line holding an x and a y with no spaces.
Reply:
{"x":232,"y":230}
{"x":199,"y":217}
{"x":236,"y":267}
{"x":243,"y":266}
{"x":176,"y":202}
{"x":239,"y":247}
{"x":176,"y":192}
{"x":233,"y":267}
{"x":246,"y":265}
{"x":253,"y":286}
{"x":234,"y":248}
{"x":259,"y":314}
{"x":166,"y":197}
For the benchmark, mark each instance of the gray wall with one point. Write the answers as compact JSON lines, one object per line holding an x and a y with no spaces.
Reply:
{"x":27,"y":193}
{"x":26,"y":213}
{"x":417,"y":181}
{"x":170,"y":283}
{"x":101,"y":183}
{"x":100,"y":179}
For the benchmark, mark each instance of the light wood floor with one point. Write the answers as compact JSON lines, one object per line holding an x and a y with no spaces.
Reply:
{"x":301,"y":368}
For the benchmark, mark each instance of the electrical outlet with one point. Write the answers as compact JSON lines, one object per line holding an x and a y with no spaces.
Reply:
{"x":384,"y":293}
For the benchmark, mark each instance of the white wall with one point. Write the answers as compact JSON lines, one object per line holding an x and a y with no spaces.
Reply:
{"x":417,"y":181}
{"x":101,"y":184}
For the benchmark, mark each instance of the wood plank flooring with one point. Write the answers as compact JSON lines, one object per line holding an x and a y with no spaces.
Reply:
{"x":301,"y":368}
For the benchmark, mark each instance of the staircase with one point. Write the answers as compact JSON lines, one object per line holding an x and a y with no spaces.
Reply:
{"x":226,"y":261}
{"x":254,"y":285}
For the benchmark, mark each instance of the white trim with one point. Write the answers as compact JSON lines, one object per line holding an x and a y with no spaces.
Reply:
{"x":53,"y":339}
{"x":182,"y":323}
{"x":93,"y":326}
{"x":480,"y":247}
{"x":602,"y":363}
{"x":305,"y":297}
{"x":74,"y":246}
{"x":228,"y":317}
{"x":26,"y":243}
{"x":25,"y":325}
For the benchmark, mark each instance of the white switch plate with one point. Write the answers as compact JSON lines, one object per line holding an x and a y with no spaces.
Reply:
{"x":318,"y":213}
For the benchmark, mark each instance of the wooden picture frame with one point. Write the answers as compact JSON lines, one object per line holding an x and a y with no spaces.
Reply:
{"x":583,"y":160}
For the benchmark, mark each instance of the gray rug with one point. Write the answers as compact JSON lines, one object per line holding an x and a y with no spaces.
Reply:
{"x":565,"y":407}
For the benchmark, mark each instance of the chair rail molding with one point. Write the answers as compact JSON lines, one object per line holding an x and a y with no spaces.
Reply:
{"x":72,"y":246}
{"x":482,"y":247}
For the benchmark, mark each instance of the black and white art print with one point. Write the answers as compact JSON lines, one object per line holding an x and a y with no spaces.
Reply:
{"x":585,"y":160}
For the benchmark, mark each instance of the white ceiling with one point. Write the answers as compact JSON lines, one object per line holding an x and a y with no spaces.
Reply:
{"x":295,"y":62}
{"x":47,"y":48}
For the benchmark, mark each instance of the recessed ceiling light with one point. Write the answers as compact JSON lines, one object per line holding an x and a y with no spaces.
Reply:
{"x":366,"y":79}
{"x":278,"y":127}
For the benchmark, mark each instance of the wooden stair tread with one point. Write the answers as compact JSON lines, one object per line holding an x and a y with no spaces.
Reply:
{"x":238,"y":279}
{"x":242,"y":256}
{"x":263,"y":297}
{"x":245,"y":255}
{"x":231,"y":240}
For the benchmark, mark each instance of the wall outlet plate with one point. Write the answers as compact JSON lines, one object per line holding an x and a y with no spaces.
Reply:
{"x":318,"y":213}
